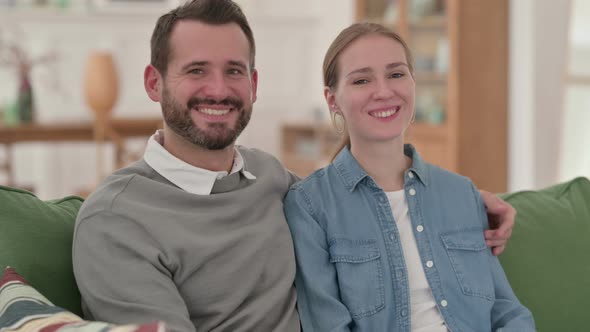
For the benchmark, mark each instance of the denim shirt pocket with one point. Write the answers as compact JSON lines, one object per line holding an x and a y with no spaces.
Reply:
{"x":468,"y":254}
{"x":360,"y":275}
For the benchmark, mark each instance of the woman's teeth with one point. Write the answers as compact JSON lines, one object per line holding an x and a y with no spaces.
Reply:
{"x":384,"y":114}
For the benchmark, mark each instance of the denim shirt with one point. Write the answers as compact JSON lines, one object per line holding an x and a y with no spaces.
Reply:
{"x":351,"y":274}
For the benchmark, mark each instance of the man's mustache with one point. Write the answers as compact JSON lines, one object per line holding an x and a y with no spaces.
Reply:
{"x":228,"y":101}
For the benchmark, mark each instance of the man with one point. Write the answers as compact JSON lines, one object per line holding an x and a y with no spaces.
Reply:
{"x":194,"y":233}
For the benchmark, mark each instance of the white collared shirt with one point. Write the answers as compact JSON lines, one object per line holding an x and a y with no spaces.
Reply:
{"x":189,"y":178}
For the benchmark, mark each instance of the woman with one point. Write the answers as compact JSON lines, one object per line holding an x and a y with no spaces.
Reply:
{"x":385,"y":241}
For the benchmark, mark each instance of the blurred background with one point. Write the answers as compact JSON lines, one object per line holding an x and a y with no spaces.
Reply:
{"x":503,"y":86}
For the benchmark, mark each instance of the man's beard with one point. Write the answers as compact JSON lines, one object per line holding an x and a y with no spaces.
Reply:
{"x":217,"y":136}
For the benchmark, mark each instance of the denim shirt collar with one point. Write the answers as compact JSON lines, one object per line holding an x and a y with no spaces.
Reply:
{"x":351,"y":172}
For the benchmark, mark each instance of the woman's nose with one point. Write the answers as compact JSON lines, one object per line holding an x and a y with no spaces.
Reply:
{"x":383,"y":89}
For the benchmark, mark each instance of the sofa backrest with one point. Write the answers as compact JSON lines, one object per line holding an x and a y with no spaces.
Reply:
{"x":36,"y":240}
{"x":546,"y":259}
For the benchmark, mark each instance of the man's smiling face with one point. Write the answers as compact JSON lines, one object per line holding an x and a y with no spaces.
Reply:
{"x":209,"y":88}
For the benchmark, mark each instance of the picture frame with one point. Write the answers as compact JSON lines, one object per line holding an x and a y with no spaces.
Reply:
{"x":134,"y":6}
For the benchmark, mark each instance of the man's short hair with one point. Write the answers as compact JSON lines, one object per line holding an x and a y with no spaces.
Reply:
{"x":215,"y":12}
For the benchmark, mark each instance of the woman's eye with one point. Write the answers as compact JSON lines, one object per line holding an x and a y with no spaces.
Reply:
{"x":397,"y":75}
{"x":361,"y":81}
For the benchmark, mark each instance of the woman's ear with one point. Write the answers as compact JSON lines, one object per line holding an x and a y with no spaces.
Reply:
{"x":330,"y":99}
{"x":153,"y":83}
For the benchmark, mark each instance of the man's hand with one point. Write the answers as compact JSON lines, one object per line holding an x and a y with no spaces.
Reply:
{"x":501,"y":217}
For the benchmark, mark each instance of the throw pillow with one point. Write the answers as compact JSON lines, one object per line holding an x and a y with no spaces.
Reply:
{"x":36,"y":239}
{"x":24,"y":309}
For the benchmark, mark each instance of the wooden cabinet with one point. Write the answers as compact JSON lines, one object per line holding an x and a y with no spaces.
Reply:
{"x":460,"y":50}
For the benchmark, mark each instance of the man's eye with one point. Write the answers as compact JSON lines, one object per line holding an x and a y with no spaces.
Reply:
{"x":360,"y":81}
{"x":196,"y":71}
{"x":234,"y":71}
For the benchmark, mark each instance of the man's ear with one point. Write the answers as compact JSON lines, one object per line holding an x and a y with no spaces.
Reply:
{"x":254,"y":84}
{"x":153,"y":83}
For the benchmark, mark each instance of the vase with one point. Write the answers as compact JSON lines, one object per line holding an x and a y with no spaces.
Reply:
{"x":25,"y":104}
{"x":101,"y":87}
{"x":101,"y":84}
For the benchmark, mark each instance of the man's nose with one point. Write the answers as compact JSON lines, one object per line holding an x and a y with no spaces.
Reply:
{"x":216,"y":87}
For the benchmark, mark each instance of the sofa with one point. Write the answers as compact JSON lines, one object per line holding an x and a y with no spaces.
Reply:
{"x":545,"y":260}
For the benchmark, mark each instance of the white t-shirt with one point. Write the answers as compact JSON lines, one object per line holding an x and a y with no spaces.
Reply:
{"x":425,"y":316}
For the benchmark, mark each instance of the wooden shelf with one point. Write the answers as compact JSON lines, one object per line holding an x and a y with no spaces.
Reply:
{"x":117,"y":131}
{"x":429,"y":22}
{"x":307,"y":147}
{"x":76,"y":131}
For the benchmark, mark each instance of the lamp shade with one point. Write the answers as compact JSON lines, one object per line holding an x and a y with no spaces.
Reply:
{"x":101,"y":84}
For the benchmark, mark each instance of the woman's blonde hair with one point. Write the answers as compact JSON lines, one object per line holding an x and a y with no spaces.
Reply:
{"x":345,"y":38}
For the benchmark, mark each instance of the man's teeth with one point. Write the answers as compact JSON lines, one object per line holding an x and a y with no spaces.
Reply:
{"x":211,"y":111}
{"x":384,"y":114}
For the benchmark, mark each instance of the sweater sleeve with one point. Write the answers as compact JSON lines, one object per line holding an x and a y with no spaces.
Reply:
{"x":119,"y":271}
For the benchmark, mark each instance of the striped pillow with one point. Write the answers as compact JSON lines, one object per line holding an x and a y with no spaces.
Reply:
{"x":22,"y":308}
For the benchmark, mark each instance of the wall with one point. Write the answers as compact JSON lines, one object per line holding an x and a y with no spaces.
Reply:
{"x":538,"y":30}
{"x":291,"y":38}
{"x":574,"y":156}
{"x":290,"y":81}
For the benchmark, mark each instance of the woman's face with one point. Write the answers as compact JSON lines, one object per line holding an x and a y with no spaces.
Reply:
{"x":375,"y":90}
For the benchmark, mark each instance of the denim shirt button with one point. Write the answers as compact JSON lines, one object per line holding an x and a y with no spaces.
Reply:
{"x":391,"y":237}
{"x":444,"y":303}
{"x":429,"y":264}
{"x":411,"y":174}
{"x":412,"y":192}
{"x":404,"y":313}
{"x":420,"y":228}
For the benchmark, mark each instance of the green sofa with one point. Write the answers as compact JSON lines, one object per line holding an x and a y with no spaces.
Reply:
{"x":36,"y":240}
{"x":545,"y":260}
{"x":547,"y":257}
